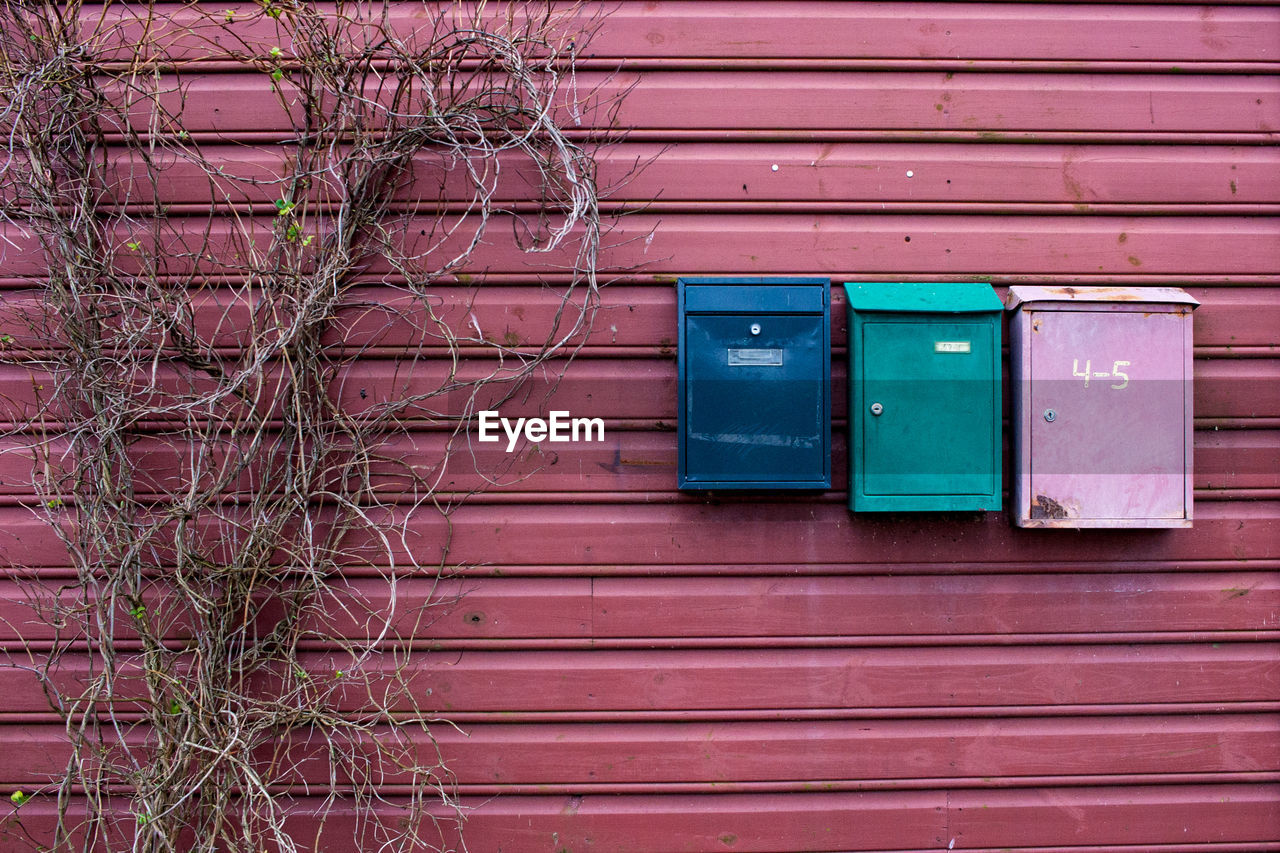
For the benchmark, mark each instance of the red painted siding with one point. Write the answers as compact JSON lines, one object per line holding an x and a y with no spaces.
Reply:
{"x":640,"y":669}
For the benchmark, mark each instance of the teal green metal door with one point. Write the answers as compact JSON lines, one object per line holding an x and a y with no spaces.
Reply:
{"x":928,"y":407}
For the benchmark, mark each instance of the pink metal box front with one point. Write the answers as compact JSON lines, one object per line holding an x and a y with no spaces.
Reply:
{"x":1102,"y":405}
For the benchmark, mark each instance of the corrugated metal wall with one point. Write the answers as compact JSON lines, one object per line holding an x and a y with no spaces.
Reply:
{"x":638,"y":669}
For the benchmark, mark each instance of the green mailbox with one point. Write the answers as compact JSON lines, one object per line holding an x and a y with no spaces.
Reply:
{"x":924,"y":397}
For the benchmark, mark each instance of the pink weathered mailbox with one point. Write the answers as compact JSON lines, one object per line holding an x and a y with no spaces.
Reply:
{"x":1101,"y":406}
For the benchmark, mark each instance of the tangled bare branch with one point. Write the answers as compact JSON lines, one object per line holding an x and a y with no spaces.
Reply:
{"x":197,"y":441}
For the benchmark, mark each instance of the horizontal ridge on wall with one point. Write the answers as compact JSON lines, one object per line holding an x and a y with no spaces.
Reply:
{"x":1228,"y":818}
{"x":955,"y":175}
{"x":694,"y":681}
{"x":594,"y":388}
{"x":902,"y":609}
{"x":709,"y":30}
{"x":728,"y":756}
{"x":723,"y":535}
{"x":627,"y":464}
{"x":731,"y":102}
{"x":631,"y":320}
{"x":974,"y":246}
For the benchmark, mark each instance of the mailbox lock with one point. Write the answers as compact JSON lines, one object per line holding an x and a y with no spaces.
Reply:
{"x":876,"y":408}
{"x":1050,"y":415}
{"x":755,"y":328}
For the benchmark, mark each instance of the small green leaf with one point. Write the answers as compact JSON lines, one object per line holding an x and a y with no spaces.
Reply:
{"x":275,"y":51}
{"x":55,"y":503}
{"x":277,"y":74}
{"x":182,"y":134}
{"x":337,"y":673}
{"x":306,"y":241}
{"x":138,"y":611}
{"x":175,"y":707}
{"x":133,"y":246}
{"x":18,"y":798}
{"x":230,"y":15}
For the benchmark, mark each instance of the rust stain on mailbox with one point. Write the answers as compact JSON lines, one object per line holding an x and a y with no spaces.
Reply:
{"x":1043,"y":506}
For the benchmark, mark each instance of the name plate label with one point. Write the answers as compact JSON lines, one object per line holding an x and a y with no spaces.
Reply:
{"x":755,"y":358}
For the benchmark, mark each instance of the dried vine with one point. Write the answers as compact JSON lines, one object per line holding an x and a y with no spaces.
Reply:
{"x":197,"y":443}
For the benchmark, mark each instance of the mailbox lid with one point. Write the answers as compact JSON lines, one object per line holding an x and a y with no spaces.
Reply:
{"x":754,"y":383}
{"x":1022,"y":293}
{"x":754,"y":295}
{"x":966,"y":297}
{"x":924,"y":396}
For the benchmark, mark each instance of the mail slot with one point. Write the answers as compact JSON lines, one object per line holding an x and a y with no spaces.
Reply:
{"x":1101,"y":406}
{"x":924,"y":397}
{"x":754,"y":383}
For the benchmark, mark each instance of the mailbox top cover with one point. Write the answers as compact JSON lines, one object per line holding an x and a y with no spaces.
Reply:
{"x":753,"y":295}
{"x":968,"y":297}
{"x":1019,"y":294}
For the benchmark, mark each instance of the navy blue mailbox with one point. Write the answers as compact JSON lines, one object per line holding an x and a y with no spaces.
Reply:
{"x":755,"y":383}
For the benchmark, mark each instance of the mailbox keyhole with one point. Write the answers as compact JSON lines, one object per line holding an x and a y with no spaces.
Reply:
{"x":755,"y":328}
{"x":877,"y":408}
